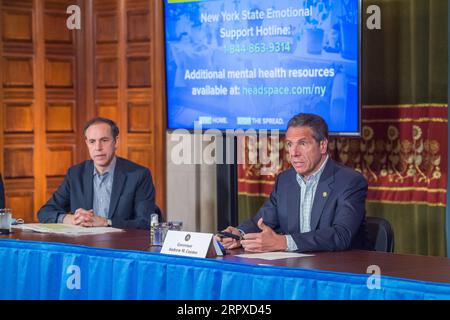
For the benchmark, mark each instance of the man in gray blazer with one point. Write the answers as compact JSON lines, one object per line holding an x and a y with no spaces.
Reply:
{"x":104,"y":191}
{"x":317,"y":205}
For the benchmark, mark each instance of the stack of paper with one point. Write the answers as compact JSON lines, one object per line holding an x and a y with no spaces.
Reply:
{"x":274,"y":255}
{"x":67,"y":229}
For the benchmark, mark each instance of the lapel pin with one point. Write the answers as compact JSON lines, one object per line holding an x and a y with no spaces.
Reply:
{"x":324,"y":194}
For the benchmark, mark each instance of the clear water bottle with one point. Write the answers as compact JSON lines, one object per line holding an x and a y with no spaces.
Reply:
{"x":5,"y":220}
{"x":153,"y":223}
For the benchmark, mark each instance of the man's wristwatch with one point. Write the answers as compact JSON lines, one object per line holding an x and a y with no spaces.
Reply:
{"x":109,"y":222}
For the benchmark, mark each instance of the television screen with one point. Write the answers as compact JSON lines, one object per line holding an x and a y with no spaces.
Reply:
{"x":253,"y":64}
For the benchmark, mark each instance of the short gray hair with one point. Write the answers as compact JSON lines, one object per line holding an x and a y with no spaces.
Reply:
{"x":317,"y":124}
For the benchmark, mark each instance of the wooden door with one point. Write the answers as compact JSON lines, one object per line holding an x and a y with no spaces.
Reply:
{"x":55,"y":79}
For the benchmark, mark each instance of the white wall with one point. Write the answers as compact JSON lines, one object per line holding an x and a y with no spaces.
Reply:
{"x":191,"y":188}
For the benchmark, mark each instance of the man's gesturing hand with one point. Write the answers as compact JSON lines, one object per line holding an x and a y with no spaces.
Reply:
{"x":264,"y":241}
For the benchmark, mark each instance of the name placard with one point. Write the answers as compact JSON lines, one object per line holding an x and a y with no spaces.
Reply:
{"x":191,"y":244}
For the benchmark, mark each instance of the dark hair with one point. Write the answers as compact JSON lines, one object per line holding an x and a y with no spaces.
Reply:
{"x":317,"y":124}
{"x":112,"y":124}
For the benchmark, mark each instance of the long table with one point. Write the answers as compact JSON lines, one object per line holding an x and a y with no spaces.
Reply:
{"x":124,"y":266}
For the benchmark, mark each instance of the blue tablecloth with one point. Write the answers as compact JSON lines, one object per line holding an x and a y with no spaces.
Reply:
{"x":40,"y":270}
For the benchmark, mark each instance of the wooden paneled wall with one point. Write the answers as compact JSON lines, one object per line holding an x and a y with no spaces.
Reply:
{"x":55,"y":79}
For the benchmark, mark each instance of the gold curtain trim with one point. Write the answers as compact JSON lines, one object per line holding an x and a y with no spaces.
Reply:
{"x":371,"y":201}
{"x":252,"y":194}
{"x":408,"y":189}
{"x":370,"y":188}
{"x":406,"y":120}
{"x":406,"y":106}
{"x":256,"y":181}
{"x":409,"y":202}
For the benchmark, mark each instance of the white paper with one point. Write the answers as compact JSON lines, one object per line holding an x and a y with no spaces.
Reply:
{"x":67,"y":229}
{"x":274,"y":255}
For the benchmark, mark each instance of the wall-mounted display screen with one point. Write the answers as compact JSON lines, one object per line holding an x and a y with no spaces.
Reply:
{"x":253,"y":64}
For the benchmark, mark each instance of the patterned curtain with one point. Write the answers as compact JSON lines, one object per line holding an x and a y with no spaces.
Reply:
{"x":402,"y":150}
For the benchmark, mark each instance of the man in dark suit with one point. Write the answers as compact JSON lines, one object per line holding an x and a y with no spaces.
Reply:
{"x":104,"y":191}
{"x":317,"y":205}
{"x":2,"y":193}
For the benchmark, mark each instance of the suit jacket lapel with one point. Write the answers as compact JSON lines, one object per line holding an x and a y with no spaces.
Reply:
{"x":117,"y":187}
{"x":293,"y":204}
{"x":88,"y":185}
{"x":322,"y":193}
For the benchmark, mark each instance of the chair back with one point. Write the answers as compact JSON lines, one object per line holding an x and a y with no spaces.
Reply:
{"x":380,"y":234}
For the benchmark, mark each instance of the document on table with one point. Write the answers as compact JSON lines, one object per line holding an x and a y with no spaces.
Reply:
{"x":66,"y":229}
{"x":274,"y":255}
